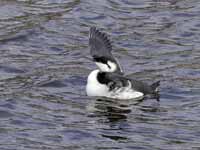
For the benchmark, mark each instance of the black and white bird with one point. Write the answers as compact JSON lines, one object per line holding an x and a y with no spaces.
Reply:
{"x":109,"y":80}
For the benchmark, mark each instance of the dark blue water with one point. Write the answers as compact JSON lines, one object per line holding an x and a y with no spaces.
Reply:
{"x":44,"y":63}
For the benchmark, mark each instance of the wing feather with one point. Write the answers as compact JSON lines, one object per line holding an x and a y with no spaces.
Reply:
{"x":99,"y":44}
{"x":101,"y":47}
{"x":115,"y":80}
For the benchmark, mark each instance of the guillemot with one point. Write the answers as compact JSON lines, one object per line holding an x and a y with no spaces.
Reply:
{"x":109,"y":80}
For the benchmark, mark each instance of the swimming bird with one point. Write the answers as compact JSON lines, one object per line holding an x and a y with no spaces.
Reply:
{"x":109,"y":80}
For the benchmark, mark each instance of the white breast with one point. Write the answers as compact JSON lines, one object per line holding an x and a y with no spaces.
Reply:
{"x":93,"y":87}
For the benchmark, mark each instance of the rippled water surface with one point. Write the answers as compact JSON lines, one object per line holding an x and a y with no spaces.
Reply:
{"x":44,"y":63}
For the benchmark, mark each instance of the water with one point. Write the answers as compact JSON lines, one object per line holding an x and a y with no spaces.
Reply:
{"x":44,"y":63}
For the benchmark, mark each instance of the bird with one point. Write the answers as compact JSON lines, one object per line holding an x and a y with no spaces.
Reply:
{"x":109,"y":79}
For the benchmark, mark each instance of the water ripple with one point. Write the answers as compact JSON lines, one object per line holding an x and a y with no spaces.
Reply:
{"x":45,"y":62}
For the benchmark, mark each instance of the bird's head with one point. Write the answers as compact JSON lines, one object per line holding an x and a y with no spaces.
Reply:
{"x":105,"y":64}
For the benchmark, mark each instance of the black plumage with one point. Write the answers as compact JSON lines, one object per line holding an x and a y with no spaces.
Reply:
{"x":114,"y":80}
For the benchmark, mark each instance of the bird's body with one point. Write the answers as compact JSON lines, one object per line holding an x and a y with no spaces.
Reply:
{"x":98,"y":86}
{"x":109,"y":80}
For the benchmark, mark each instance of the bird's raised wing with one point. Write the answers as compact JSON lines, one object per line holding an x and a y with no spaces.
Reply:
{"x":101,"y":47}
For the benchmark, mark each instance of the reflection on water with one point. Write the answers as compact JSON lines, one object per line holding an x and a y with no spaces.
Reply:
{"x":44,"y":63}
{"x":110,"y":108}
